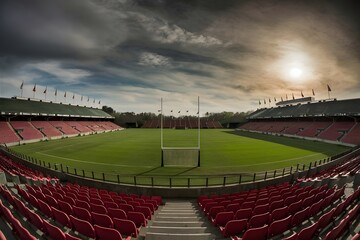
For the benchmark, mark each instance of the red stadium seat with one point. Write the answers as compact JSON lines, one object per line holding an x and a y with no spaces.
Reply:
{"x":61,"y":217}
{"x":258,"y":220}
{"x":117,"y":213}
{"x":144,"y":210}
{"x":98,"y":208}
{"x":276,"y":204}
{"x":259,"y":233}
{"x":233,"y":228}
{"x":82,"y":204}
{"x":36,"y":220}
{"x":54,"y":232}
{"x":65,"y":207}
{"x":295,"y":207}
{"x":138,"y":218}
{"x":45,"y":208}
{"x":325,"y":219}
{"x":248,"y":204}
{"x":108,"y":204}
{"x":308,"y":232}
{"x":233,"y":207}
{"x":51,"y":201}
{"x":243,"y":213}
{"x":82,"y":214}
{"x":299,"y":217}
{"x":102,"y":220}
{"x":279,"y":226}
{"x":260,"y":209}
{"x":104,"y":233}
{"x":222,"y":218}
{"x":126,"y":227}
{"x":83,"y":227}
{"x":279,"y":213}
{"x":125,"y":207}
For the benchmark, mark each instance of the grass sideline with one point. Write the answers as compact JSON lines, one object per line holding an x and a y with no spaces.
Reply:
{"x":137,"y":152}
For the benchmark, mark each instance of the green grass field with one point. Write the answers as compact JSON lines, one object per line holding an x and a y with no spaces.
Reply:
{"x":137,"y":152}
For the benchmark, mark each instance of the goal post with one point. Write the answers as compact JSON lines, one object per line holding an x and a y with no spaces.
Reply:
{"x":188,"y":156}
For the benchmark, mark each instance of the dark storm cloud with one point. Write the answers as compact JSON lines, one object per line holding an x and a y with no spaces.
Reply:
{"x":41,"y":29}
{"x":133,"y":51}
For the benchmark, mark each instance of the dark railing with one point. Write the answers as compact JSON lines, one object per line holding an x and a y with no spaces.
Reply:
{"x":174,"y":181}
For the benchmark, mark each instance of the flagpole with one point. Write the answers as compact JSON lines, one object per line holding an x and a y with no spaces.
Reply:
{"x":199,"y":122}
{"x":161,"y":123}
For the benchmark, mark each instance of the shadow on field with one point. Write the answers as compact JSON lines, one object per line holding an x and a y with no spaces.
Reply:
{"x":287,"y":141}
{"x":168,"y":171}
{"x":149,"y":171}
{"x":187,"y":170}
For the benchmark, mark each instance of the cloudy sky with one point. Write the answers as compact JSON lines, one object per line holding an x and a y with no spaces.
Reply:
{"x":130,"y":53}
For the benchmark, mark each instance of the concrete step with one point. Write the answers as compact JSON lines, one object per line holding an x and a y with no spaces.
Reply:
{"x":178,"y":218}
{"x":177,"y":230}
{"x":180,"y":214}
{"x":179,"y":224}
{"x":173,"y":236}
{"x":165,"y":210}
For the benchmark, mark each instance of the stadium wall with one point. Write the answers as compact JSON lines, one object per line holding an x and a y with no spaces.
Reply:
{"x":179,"y":192}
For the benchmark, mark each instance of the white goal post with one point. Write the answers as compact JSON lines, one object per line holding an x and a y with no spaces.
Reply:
{"x":180,"y":156}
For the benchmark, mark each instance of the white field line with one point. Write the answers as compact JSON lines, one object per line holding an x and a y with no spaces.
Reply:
{"x":266,"y":163}
{"x":82,"y":161}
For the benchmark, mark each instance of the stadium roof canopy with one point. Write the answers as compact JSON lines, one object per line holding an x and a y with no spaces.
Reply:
{"x":333,"y":108}
{"x":13,"y":106}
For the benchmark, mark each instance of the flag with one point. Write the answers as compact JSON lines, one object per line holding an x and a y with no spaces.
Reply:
{"x":293,"y":97}
{"x":302,"y":94}
{"x":259,"y":102}
{"x":22,"y":85}
{"x":34,"y":89}
{"x":88,"y":98}
{"x":313,"y":92}
{"x":179,"y":111}
{"x":45,"y":90}
{"x":275,"y":99}
{"x":99,"y":101}
{"x":81,"y":98}
{"x":329,"y":89}
{"x":55,"y":92}
{"x":73,"y":96}
{"x":171,"y":111}
{"x":282,"y":99}
{"x":264,"y":101}
{"x":65,"y":95}
{"x":269,"y":100}
{"x":187,"y":111}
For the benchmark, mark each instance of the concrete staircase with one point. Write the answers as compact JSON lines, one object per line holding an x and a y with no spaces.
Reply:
{"x":180,"y":220}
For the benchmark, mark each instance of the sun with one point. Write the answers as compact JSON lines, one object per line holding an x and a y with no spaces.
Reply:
{"x":295,"y":72}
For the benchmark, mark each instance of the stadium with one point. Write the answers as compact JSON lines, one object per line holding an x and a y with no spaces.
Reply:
{"x":114,"y":123}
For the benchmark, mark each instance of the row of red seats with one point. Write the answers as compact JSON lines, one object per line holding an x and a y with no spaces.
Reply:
{"x":71,"y":214}
{"x":37,"y":221}
{"x":346,"y":167}
{"x":18,"y":229}
{"x":280,"y":207}
{"x":343,"y":131}
{"x":330,"y":217}
{"x":98,"y":228}
{"x":14,"y":168}
{"x":40,"y":129}
{"x":288,"y":221}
